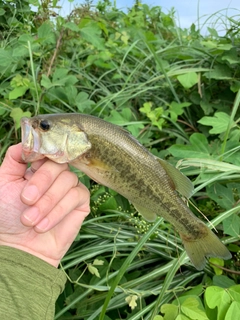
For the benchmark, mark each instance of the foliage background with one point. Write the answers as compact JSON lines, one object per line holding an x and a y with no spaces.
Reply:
{"x":178,"y":93}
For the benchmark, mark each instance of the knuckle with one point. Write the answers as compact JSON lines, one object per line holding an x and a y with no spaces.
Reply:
{"x":84,"y":198}
{"x":47,"y":201}
{"x":44,"y":176}
{"x":68,"y":175}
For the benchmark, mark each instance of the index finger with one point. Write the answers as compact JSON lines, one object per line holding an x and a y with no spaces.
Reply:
{"x":13,"y":167}
{"x":41,"y":181}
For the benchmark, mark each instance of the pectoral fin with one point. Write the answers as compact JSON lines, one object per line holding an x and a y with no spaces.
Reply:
{"x":96,"y":169}
{"x":147,"y":214}
{"x":98,"y":164}
{"x":182,"y":184}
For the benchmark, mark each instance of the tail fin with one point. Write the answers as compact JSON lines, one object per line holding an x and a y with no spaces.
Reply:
{"x":208,"y":246}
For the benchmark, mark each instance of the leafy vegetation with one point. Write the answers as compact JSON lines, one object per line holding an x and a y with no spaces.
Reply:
{"x":178,"y":93}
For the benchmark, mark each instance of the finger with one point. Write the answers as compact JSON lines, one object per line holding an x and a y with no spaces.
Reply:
{"x":13,"y":166}
{"x":70,"y":227}
{"x":65,"y":181}
{"x":33,"y":168}
{"x":77,"y":201}
{"x":41,"y":181}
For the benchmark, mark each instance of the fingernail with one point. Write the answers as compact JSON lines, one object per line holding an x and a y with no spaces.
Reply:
{"x":30,"y":193}
{"x":42,"y":226}
{"x":31,"y":214}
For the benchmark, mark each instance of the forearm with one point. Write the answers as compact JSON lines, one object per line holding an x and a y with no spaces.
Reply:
{"x":29,"y":286}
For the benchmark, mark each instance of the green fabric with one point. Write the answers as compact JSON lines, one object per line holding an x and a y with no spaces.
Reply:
{"x":29,"y":286}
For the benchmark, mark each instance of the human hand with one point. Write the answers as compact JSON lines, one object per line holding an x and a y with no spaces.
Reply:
{"x":41,"y":212}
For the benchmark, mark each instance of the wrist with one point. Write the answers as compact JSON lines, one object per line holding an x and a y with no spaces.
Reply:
{"x":53,"y":262}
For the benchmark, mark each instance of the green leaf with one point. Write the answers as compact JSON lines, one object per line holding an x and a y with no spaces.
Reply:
{"x":198,"y":148}
{"x":190,"y":308}
{"x":222,"y":195}
{"x":170,"y":311}
{"x":207,"y":107}
{"x":231,"y":56}
{"x":71,"y":26}
{"x":83,"y":102}
{"x":17,"y":92}
{"x":46,"y":34}
{"x":154,"y":114}
{"x":233,"y":311}
{"x":235,"y":86}
{"x":5,"y":57}
{"x":176,"y":109}
{"x":197,"y":290}
{"x":219,"y":298}
{"x":46,"y":82}
{"x":219,"y":122}
{"x":218,"y":262}
{"x":213,"y":32}
{"x":209,"y":44}
{"x":120,"y":118}
{"x":182,"y":317}
{"x":60,"y":79}
{"x":17,"y":114}
{"x":222,"y":281}
{"x":71,"y":92}
{"x":188,"y":80}
{"x":2,"y":12}
{"x":219,"y":72}
{"x":92,"y":33}
{"x":20,"y":51}
{"x":234,"y":291}
{"x":231,"y":225}
{"x":60,"y":73}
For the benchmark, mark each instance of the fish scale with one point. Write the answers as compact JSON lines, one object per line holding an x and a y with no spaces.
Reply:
{"x":112,"y":157}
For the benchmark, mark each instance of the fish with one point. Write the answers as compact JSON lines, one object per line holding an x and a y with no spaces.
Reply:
{"x":111,"y":156}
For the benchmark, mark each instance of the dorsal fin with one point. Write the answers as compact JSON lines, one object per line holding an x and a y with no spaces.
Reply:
{"x":182,"y":184}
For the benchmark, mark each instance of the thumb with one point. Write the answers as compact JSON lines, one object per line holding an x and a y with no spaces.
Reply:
{"x":13,"y":167}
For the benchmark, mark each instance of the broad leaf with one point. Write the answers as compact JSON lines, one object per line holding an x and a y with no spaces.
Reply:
{"x":222,"y":195}
{"x":233,"y":311}
{"x":188,"y":80}
{"x":190,"y":308}
{"x":92,"y":34}
{"x":218,"y":297}
{"x":17,"y":114}
{"x":170,"y":311}
{"x":198,"y":148}
{"x":219,"y":122}
{"x":231,"y":225}
{"x":220,"y":72}
{"x":46,"y":34}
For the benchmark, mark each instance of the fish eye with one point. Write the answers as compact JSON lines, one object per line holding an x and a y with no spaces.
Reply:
{"x":44,"y":125}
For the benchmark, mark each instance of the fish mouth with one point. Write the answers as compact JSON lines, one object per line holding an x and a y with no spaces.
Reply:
{"x":30,"y":142}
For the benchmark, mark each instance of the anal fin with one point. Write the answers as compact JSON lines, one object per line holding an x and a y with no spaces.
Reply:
{"x":146,"y":213}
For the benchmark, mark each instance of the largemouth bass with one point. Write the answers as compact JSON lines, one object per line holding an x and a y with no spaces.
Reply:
{"x":112,"y":157}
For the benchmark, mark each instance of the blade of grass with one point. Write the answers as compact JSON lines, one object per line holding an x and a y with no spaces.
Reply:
{"x":231,"y":120}
{"x":33,"y":76}
{"x":175,"y":264}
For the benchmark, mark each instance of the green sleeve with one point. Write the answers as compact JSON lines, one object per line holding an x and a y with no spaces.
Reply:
{"x":29,"y":286}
